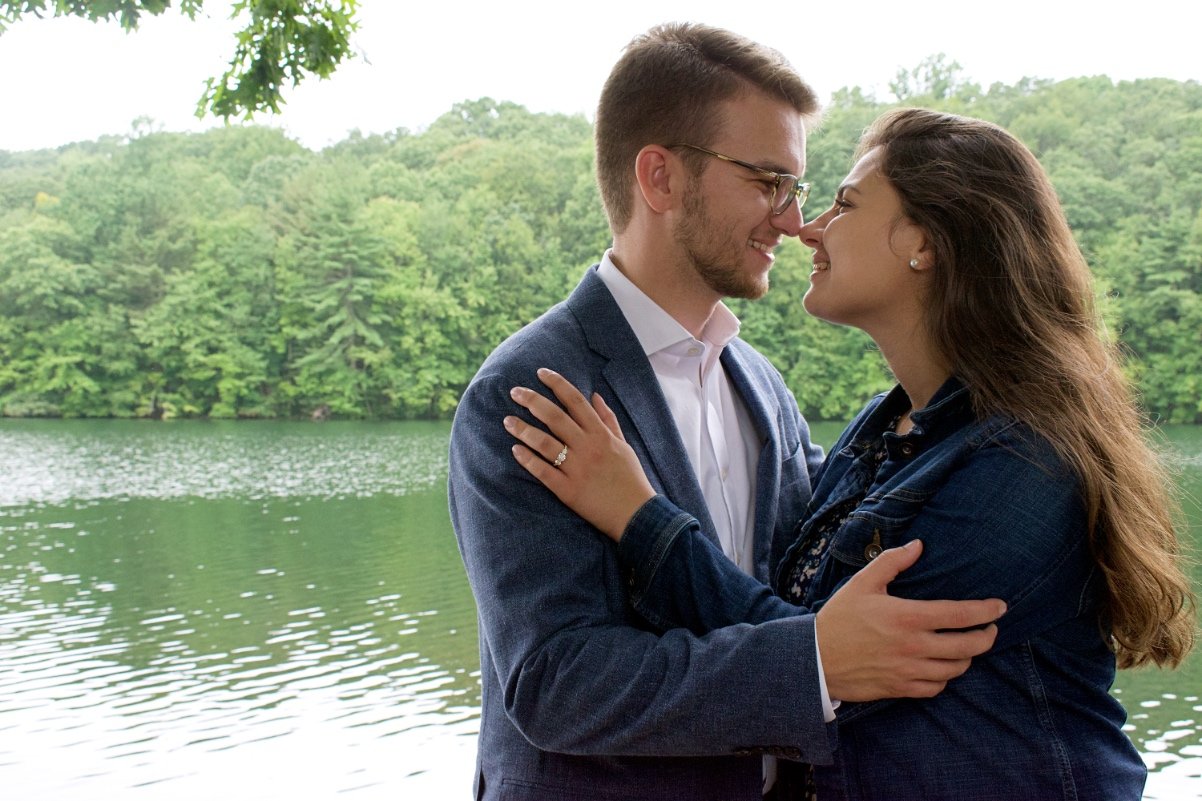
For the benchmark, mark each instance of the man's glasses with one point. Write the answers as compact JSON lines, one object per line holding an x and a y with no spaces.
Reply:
{"x":785,"y":187}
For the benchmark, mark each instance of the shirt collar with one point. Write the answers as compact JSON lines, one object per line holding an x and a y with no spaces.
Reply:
{"x":655,"y":329}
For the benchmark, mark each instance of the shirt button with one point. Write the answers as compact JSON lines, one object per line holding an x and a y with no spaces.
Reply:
{"x":725,"y":473}
{"x":694,"y":351}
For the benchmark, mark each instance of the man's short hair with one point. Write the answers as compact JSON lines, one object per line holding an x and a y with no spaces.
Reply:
{"x":666,"y":88}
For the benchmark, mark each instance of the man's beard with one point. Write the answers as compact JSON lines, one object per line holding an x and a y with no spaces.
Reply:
{"x":717,"y":255}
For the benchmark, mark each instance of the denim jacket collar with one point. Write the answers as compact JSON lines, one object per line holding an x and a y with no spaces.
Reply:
{"x":950,"y":408}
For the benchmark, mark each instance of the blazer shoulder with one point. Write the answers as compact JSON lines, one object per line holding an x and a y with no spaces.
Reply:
{"x":587,"y":320}
{"x":553,"y":335}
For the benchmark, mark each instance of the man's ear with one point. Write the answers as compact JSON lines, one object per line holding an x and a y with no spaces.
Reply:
{"x":659,"y":174}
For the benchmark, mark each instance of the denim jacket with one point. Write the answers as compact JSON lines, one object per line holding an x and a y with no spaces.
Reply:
{"x":999,"y":516}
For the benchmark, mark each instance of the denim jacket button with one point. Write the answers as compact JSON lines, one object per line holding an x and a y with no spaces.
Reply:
{"x":874,"y":548}
{"x":907,"y":449}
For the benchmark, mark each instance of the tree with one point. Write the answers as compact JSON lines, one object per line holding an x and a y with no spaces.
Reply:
{"x":281,"y":43}
{"x":234,"y":273}
{"x":934,"y":78}
{"x":207,"y":344}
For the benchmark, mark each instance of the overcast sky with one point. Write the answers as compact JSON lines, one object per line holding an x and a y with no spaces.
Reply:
{"x":66,"y":80}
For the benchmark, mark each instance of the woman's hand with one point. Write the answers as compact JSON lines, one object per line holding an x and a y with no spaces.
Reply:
{"x":585,"y":460}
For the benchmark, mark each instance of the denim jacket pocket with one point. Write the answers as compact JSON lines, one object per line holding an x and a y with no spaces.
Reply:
{"x":879,"y":523}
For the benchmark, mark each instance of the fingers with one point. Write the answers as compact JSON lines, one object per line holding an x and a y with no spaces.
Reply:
{"x":954,"y":646}
{"x":607,"y":416}
{"x":942,"y":629}
{"x":582,"y":413}
{"x":563,"y":428}
{"x":565,"y":424}
{"x":926,"y":679}
{"x":938,"y":659}
{"x":875,"y":645}
{"x":950,"y":616}
{"x":929,"y":615}
{"x":886,"y":567}
{"x":535,"y":439}
{"x":919,"y":688}
{"x":550,"y":477}
{"x":576,"y":414}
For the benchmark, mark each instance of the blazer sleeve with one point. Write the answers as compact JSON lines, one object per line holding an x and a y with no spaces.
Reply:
{"x":578,"y":676}
{"x":679,"y":578}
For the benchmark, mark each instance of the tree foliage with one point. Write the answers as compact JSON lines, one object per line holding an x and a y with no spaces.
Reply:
{"x":233,"y":273}
{"x":280,"y":43}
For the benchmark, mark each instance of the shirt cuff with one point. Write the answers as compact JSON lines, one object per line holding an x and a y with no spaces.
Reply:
{"x":828,"y":706}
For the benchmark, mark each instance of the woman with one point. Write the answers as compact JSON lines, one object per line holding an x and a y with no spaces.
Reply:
{"x":1010,"y":446}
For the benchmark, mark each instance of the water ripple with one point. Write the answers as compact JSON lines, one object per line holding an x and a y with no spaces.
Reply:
{"x":156,"y":723}
{"x":260,"y":460}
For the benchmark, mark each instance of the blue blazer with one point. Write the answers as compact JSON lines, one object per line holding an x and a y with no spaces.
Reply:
{"x":580,"y":699}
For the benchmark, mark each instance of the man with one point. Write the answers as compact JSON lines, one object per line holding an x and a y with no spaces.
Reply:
{"x":700,"y":134}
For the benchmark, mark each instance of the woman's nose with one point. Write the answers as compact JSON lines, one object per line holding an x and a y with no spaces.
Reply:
{"x":811,"y":232}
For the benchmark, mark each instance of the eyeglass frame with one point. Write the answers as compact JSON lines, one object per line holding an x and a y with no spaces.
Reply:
{"x":801,"y":191}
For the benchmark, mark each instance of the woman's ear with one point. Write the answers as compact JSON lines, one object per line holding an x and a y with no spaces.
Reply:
{"x":657,"y":171}
{"x":914,"y":246}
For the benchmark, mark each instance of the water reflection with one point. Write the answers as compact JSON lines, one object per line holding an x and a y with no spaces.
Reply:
{"x":275,"y":610}
{"x":208,"y":628}
{"x":1164,"y":708}
{"x":74,"y":461}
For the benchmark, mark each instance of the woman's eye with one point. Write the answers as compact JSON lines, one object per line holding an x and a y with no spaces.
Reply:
{"x":841,"y":206}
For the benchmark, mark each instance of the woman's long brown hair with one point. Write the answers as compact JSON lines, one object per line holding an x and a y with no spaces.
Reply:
{"x":1011,"y":305}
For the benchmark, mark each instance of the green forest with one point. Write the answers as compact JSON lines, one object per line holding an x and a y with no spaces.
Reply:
{"x":236,"y":274}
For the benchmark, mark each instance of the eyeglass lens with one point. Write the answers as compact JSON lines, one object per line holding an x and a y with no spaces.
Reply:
{"x":786,"y":190}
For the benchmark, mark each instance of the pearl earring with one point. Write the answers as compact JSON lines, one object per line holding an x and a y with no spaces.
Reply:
{"x":913,"y":264}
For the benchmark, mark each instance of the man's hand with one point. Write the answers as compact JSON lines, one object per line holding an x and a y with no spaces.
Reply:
{"x":876,"y":646}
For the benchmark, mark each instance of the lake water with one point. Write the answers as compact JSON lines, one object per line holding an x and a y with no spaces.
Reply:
{"x":277,"y":610}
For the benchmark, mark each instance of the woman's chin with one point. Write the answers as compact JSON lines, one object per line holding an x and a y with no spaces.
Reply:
{"x":812,"y":304}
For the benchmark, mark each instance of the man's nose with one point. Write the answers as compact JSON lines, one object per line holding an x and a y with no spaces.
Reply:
{"x":811,"y":233}
{"x":791,"y":220}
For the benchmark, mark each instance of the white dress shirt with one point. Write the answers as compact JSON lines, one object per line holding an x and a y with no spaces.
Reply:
{"x":713,"y":422}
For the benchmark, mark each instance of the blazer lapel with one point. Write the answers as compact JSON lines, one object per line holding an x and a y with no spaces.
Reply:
{"x":767,"y":476}
{"x":637,"y":399}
